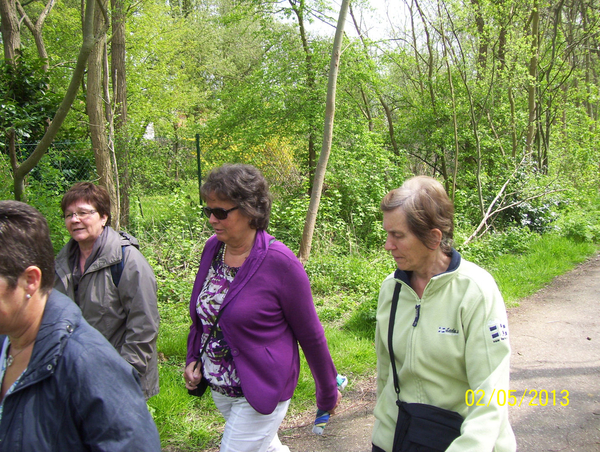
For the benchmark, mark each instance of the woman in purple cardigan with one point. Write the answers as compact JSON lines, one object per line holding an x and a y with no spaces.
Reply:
{"x":251,"y":360}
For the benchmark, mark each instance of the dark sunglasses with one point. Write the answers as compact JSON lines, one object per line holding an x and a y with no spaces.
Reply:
{"x":218,"y":212}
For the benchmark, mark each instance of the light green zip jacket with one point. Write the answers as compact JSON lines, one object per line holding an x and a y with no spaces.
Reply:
{"x":457,"y":342}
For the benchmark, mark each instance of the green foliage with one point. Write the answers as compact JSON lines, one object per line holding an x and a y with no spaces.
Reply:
{"x":287,"y":219}
{"x":6,"y":186}
{"x":26,"y":104}
{"x":163,"y":166}
{"x":346,"y":288}
{"x":581,"y":231}
{"x":360,"y":176}
{"x":172,"y":242}
{"x":64,"y":164}
{"x":349,"y":217}
{"x":349,"y":273}
{"x":486,"y":249}
{"x":580,"y":220}
{"x":48,"y":203}
{"x":61,"y":167}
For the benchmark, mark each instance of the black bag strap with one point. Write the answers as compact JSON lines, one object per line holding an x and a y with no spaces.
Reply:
{"x":214,"y":326}
{"x":212,"y":330}
{"x":395,"y":297}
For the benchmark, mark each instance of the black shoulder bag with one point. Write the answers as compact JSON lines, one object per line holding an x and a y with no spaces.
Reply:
{"x":419,"y":427}
{"x":203,"y":385}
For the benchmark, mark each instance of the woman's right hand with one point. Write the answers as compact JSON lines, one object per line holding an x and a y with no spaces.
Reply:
{"x":192,"y":377}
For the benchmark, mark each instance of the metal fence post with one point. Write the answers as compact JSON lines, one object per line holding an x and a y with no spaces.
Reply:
{"x":199,"y":167}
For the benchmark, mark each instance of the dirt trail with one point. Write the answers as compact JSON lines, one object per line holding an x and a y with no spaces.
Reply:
{"x":555,"y":339}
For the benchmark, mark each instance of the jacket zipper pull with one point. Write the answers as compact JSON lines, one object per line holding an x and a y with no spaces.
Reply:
{"x":418,"y":308}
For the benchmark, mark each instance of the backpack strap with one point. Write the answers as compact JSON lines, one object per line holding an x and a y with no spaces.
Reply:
{"x":116,"y":270}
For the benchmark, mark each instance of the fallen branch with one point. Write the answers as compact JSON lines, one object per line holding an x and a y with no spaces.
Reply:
{"x":490,"y":213}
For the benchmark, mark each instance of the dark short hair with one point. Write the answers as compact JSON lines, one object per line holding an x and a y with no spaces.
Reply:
{"x":426,"y":206}
{"x":24,"y":241}
{"x":245,"y":186}
{"x":93,"y":194}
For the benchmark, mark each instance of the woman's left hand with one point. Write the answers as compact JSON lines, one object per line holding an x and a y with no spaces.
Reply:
{"x":192,"y":376}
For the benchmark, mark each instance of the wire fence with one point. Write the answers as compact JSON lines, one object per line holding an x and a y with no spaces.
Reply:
{"x":160,"y":165}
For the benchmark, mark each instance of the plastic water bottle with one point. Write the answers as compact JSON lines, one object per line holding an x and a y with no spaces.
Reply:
{"x":323,"y":416}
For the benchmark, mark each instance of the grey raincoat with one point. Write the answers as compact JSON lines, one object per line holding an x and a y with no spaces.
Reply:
{"x":126,"y":315}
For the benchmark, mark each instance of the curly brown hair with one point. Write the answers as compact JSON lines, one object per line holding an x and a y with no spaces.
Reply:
{"x":245,"y":186}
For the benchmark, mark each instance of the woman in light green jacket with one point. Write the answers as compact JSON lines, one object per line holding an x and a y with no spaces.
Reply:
{"x":450,"y":336}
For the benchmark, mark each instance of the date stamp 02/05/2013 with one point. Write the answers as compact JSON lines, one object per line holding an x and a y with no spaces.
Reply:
{"x":529,"y":397}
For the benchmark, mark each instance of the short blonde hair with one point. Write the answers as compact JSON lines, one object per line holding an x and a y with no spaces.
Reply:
{"x":426,"y":206}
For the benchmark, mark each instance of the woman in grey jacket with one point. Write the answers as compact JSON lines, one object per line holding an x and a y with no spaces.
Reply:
{"x":63,"y":386}
{"x":110,"y":280}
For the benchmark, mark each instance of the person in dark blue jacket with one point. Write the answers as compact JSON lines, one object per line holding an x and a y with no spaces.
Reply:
{"x":63,"y":386}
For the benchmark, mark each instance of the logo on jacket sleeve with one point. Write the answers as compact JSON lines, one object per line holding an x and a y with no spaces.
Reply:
{"x":498,"y":330}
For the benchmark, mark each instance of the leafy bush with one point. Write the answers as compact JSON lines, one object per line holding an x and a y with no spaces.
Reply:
{"x":64,"y":164}
{"x":6,"y":188}
{"x":287,"y":219}
{"x":346,"y":288}
{"x":26,"y":103}
{"x":161,"y":167}
{"x":514,"y":240}
{"x":360,"y":175}
{"x":581,"y":221}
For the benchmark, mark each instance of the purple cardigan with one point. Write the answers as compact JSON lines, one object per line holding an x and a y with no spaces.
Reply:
{"x":268,"y":310}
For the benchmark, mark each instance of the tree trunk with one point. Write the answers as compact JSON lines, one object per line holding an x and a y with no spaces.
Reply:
{"x":36,"y":30}
{"x":533,"y":72}
{"x":10,"y":27}
{"x":483,"y":40}
{"x":315,"y":198}
{"x":119,"y":85}
{"x":65,"y":105}
{"x":298,"y":9}
{"x":95,"y":111}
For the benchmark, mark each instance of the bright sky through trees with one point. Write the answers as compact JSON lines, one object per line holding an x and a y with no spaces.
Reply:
{"x":375,"y":17}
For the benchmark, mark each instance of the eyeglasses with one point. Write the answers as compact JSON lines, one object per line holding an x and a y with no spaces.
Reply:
{"x":218,"y":212}
{"x":82,"y":214}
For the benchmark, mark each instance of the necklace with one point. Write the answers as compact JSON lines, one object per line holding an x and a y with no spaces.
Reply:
{"x":10,"y":359}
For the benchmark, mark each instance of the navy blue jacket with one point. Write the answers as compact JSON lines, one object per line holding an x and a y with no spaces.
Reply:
{"x":77,"y":393}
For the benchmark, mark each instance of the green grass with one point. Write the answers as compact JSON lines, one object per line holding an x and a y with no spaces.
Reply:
{"x":548,"y":256}
{"x":184,"y":422}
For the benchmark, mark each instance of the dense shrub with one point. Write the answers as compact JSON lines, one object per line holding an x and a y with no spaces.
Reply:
{"x":514,"y":240}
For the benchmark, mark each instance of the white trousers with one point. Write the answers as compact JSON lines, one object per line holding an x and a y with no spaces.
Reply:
{"x":247,"y":430}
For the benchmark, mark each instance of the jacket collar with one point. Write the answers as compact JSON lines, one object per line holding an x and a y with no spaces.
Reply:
{"x":455,"y":260}
{"x":250,"y":265}
{"x":108,"y":253}
{"x":244,"y":274}
{"x":60,"y":319}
